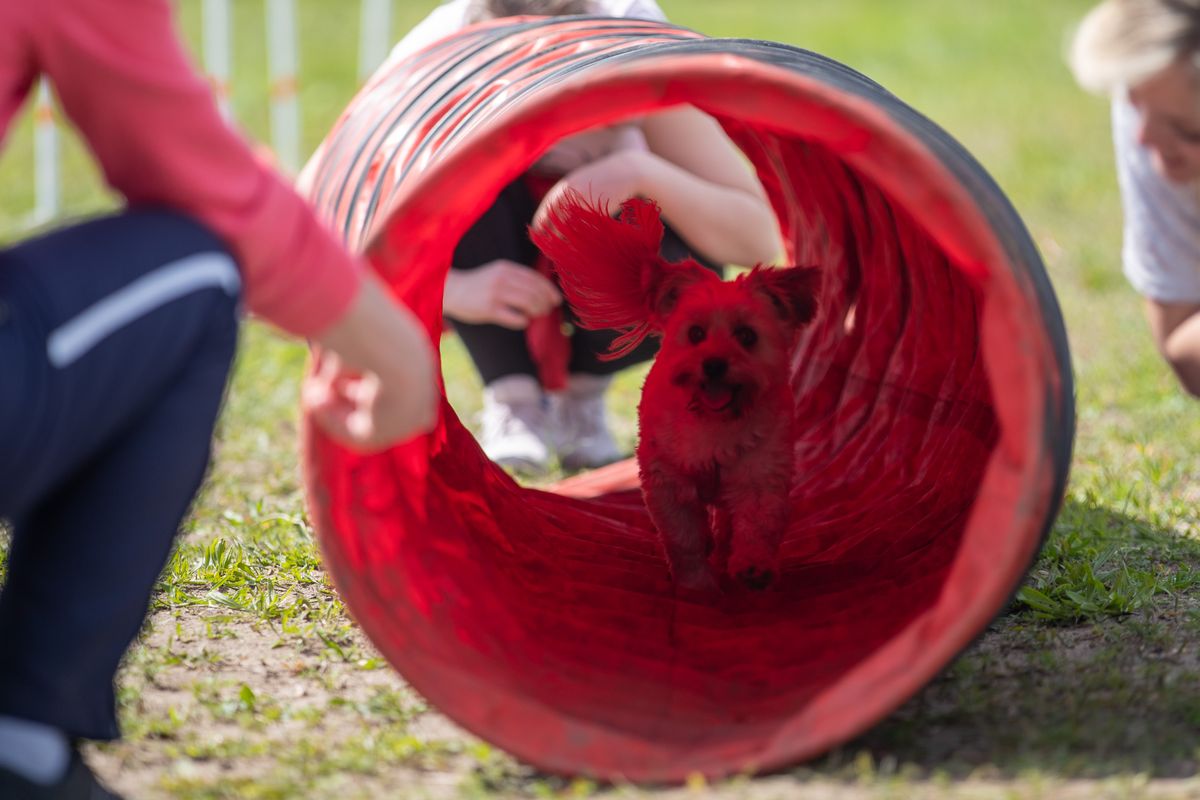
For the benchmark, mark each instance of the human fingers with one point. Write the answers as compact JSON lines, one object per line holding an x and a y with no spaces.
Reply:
{"x":323,"y":398}
{"x":527,"y":294}
{"x":383,"y":342}
{"x":366,"y":416}
{"x":539,"y":286}
{"x":318,"y":387}
{"x":334,"y":421}
{"x":510,"y":317}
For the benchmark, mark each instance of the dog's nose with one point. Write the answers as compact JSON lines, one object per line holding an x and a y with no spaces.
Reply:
{"x":714,"y":367}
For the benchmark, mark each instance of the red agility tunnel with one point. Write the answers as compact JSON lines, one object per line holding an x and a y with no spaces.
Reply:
{"x":934,"y":390}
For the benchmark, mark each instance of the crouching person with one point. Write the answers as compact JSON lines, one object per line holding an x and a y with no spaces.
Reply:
{"x":116,"y":337}
{"x":1146,"y":54}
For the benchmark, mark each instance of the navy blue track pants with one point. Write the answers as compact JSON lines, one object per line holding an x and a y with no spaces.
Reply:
{"x":116,"y":337}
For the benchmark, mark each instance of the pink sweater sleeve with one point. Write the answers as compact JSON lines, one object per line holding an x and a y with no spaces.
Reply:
{"x":150,"y":119}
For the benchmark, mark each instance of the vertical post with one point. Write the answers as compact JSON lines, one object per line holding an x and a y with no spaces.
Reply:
{"x":45,"y":157}
{"x":218,"y":54}
{"x":375,"y":36}
{"x":283,"y":62}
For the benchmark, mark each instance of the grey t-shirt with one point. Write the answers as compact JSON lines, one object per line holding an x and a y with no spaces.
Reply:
{"x":1161,"y":250}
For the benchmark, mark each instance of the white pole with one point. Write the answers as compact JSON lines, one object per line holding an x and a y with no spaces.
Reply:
{"x":282,"y":59}
{"x":45,"y":157}
{"x":218,"y":54}
{"x":375,"y":36}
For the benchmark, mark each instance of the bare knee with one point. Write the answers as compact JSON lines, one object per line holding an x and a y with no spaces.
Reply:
{"x":1184,"y":358}
{"x":1176,"y":331}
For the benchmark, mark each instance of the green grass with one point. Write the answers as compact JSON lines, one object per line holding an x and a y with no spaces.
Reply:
{"x":251,"y":680}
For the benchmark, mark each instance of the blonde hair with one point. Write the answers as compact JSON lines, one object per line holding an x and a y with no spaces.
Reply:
{"x":492,"y":9}
{"x":1121,"y":43}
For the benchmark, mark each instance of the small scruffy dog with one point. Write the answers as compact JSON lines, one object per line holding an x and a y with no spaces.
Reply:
{"x":717,"y":412}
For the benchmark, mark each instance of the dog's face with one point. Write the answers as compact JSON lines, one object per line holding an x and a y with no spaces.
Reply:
{"x":726,"y":344}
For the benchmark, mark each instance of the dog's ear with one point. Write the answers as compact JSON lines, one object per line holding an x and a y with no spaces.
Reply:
{"x":608,"y":266}
{"x":602,"y":261}
{"x":791,"y":290}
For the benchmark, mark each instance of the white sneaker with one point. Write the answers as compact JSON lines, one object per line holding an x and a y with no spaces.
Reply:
{"x":584,"y":440}
{"x":516,"y":424}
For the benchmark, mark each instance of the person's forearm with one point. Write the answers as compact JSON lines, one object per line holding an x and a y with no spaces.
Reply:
{"x":724,"y":224}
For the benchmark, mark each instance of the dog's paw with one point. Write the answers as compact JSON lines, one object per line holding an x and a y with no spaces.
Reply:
{"x":754,"y":563}
{"x":755,"y":578}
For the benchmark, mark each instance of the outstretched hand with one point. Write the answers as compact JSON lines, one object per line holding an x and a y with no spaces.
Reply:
{"x":501,"y":292}
{"x":356,"y":408}
{"x":373,"y":383}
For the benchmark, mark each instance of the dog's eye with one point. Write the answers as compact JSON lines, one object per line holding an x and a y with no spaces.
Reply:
{"x":746,"y":336}
{"x":696,"y":334}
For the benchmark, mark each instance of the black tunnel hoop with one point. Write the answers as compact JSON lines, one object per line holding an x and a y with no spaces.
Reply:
{"x":545,"y":623}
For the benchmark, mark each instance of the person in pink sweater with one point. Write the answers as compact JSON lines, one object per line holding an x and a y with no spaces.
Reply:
{"x":116,"y":336}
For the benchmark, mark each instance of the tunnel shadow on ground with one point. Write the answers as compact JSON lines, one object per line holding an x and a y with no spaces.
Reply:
{"x":1087,"y":699}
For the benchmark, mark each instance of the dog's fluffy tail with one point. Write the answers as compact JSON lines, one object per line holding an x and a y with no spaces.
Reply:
{"x":607,"y":266}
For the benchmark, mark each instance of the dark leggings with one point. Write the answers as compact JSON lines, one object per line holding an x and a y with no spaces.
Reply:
{"x":498,"y":351}
{"x":116,"y":337}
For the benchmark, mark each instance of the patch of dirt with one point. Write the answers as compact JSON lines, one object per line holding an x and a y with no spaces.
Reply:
{"x":191,"y":666}
{"x":219,"y":706}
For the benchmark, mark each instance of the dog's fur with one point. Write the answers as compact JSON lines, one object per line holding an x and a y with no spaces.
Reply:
{"x":717,"y":412}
